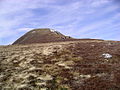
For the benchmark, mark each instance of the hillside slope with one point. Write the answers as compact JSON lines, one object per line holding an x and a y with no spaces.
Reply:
{"x":72,"y":65}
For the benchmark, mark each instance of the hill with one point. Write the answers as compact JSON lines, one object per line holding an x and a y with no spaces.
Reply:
{"x":70,"y":65}
{"x":43,"y":35}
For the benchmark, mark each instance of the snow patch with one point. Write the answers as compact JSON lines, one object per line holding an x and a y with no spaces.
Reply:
{"x":52,"y":30}
{"x":107,"y":55}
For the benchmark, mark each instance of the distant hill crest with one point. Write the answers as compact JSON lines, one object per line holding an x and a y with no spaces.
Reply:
{"x":42,"y":35}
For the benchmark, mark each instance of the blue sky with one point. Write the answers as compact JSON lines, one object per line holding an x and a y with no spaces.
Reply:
{"x":77,"y":18}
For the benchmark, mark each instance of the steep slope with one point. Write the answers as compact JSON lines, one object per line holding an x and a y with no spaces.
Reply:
{"x":70,"y":65}
{"x":41,"y":36}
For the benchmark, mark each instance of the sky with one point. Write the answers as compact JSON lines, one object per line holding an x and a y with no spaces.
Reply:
{"x":97,"y":19}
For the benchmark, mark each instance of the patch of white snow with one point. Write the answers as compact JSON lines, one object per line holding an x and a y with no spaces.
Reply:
{"x":107,"y":55}
{"x":52,"y":30}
